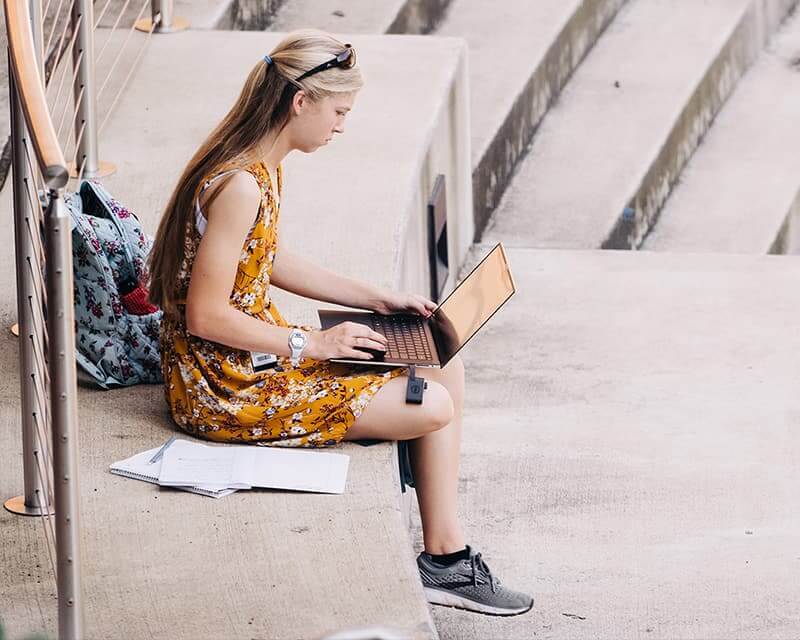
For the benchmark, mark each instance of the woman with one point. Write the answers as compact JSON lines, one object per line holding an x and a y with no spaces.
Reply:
{"x":216,"y":253}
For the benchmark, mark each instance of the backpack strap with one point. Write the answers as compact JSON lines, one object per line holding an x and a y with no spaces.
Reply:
{"x":127,"y":241}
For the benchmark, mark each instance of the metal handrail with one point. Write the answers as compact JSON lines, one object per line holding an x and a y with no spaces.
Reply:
{"x":47,"y":338}
{"x":24,"y":66}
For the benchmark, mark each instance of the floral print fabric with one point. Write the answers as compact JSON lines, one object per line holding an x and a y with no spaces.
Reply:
{"x":213,"y":391}
{"x":113,"y":346}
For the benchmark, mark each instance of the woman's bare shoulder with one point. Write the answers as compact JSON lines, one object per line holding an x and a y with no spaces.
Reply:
{"x":239,"y":196}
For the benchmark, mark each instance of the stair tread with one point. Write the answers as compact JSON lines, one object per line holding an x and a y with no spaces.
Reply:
{"x":738,"y":188}
{"x":595,"y":146}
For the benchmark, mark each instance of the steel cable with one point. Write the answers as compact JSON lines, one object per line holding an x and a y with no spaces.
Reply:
{"x":64,"y":72}
{"x":125,"y":82}
{"x":102,"y":13}
{"x":55,"y":24}
{"x":61,"y":49}
{"x":67,"y":104}
{"x":121,"y":49}
{"x":113,"y":29}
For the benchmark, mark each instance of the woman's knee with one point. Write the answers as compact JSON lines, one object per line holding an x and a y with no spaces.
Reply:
{"x":437,"y":405}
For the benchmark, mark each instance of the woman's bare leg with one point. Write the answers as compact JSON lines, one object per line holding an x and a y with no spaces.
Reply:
{"x":388,"y":417}
{"x":434,"y":429}
{"x":434,"y":462}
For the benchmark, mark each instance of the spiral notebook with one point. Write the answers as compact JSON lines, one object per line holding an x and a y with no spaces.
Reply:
{"x":139,"y":467}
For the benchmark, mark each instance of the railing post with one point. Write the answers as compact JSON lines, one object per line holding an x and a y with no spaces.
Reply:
{"x":34,"y":502}
{"x":63,"y":391}
{"x":85,"y":93}
{"x":163,"y":18}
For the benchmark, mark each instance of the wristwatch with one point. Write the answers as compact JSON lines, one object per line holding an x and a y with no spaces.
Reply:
{"x":297,"y":342}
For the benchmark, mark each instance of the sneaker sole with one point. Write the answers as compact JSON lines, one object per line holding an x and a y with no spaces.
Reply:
{"x":449,"y":599}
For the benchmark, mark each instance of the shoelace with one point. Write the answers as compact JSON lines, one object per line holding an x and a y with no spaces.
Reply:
{"x":477,"y":564}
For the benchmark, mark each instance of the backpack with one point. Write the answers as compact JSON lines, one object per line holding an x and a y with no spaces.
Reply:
{"x":116,"y":329}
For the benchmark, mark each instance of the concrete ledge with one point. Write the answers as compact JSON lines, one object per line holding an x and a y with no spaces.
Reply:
{"x":740,"y":192}
{"x":629,"y":120}
{"x":159,"y":563}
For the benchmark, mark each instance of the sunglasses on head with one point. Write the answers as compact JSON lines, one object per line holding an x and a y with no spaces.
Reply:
{"x":345,"y":60}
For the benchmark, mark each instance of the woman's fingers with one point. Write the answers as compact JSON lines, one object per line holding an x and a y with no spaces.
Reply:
{"x":368,"y":343}
{"x":422,"y":305}
{"x":357,"y":330}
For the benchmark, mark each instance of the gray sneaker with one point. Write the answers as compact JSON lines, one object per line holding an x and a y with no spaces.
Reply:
{"x":469,"y":584}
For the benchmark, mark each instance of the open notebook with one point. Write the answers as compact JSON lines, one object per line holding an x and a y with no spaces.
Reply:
{"x":188,"y":462}
{"x":219,"y":470}
{"x":139,"y":467}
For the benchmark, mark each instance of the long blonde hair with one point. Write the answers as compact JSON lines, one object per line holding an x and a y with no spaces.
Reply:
{"x":263,"y":107}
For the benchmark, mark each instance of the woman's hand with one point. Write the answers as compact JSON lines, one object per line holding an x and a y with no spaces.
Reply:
{"x":396,"y":302}
{"x":340,"y":342}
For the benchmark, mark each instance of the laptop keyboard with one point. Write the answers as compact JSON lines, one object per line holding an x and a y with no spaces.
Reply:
{"x":405,"y":336}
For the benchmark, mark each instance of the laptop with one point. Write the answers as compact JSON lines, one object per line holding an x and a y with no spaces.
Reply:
{"x":433,"y":341}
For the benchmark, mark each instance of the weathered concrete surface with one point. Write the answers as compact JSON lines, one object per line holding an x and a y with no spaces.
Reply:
{"x":328,"y":557}
{"x":172,"y":565}
{"x":630,"y":447}
{"x":628,"y":121}
{"x":740,"y":192}
{"x":521,"y":55}
{"x":361,"y":16}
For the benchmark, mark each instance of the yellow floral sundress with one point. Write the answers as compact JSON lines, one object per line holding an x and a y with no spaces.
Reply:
{"x":212,"y":390}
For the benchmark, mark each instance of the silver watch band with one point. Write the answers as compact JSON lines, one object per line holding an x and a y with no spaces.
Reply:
{"x":294,"y":348}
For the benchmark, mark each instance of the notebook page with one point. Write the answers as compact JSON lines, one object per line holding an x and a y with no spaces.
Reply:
{"x":139,"y":467}
{"x":186,"y":462}
{"x":317,"y":471}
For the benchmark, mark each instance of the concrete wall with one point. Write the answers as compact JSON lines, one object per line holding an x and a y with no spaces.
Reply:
{"x":447,"y":152}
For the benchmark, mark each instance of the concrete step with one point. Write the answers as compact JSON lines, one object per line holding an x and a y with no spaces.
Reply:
{"x":361,"y":16}
{"x":163,"y":551}
{"x":521,"y":55}
{"x":321,"y":562}
{"x":740,"y":192}
{"x":607,"y":155}
{"x":630,"y":432}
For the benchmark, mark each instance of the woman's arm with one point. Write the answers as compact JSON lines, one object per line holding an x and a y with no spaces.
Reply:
{"x":209,"y":313}
{"x":297,"y":275}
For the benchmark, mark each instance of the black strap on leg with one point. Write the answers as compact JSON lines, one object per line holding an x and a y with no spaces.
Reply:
{"x":415,"y":387}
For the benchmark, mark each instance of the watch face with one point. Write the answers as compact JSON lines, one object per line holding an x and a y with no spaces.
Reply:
{"x":298,"y":340}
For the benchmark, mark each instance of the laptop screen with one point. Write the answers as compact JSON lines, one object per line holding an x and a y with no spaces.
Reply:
{"x":472,"y":303}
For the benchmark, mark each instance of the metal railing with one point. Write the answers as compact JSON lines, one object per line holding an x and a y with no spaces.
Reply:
{"x":46,"y":45}
{"x":45,"y":313}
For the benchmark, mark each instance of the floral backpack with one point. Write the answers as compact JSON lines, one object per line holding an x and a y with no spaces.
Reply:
{"x":116,"y":329}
